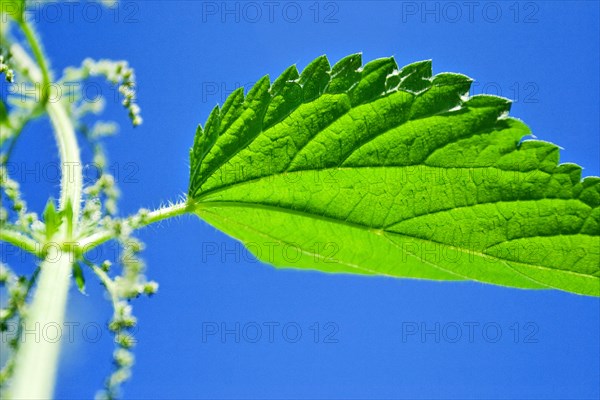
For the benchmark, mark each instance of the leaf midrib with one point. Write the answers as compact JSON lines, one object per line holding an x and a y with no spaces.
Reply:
{"x":351,"y":265}
{"x":201,"y":205}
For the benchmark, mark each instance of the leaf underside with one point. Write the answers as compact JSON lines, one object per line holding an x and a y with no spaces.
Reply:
{"x":378,"y":170}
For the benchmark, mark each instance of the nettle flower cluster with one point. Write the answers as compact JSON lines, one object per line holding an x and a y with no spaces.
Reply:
{"x":20,"y":227}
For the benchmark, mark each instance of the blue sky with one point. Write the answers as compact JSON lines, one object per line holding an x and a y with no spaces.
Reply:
{"x":377,"y":337}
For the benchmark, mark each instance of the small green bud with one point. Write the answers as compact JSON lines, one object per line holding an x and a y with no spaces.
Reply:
{"x":124,"y":358}
{"x":105,"y":266}
{"x":125,"y":340}
{"x":150,"y":288}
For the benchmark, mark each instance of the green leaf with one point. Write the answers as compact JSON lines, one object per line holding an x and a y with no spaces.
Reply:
{"x":378,"y":170}
{"x":3,"y":112}
{"x":52,"y":219}
{"x":79,"y":277}
{"x":67,"y":212}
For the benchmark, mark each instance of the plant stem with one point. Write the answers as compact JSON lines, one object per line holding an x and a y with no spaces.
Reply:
{"x":37,"y":360}
{"x":171,"y":211}
{"x":71,"y":169}
{"x":39,"y":56}
{"x":20,"y":240}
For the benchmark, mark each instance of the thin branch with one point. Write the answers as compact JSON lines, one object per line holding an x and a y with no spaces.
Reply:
{"x":140,"y":220}
{"x":22,"y":241}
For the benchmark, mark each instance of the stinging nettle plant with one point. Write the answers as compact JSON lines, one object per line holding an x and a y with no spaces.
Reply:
{"x":390,"y":161}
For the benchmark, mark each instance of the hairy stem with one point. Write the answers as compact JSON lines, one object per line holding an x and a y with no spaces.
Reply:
{"x":71,"y":169}
{"x":171,"y":211}
{"x":19,"y":240}
{"x":37,"y":360}
{"x":36,"y":48}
